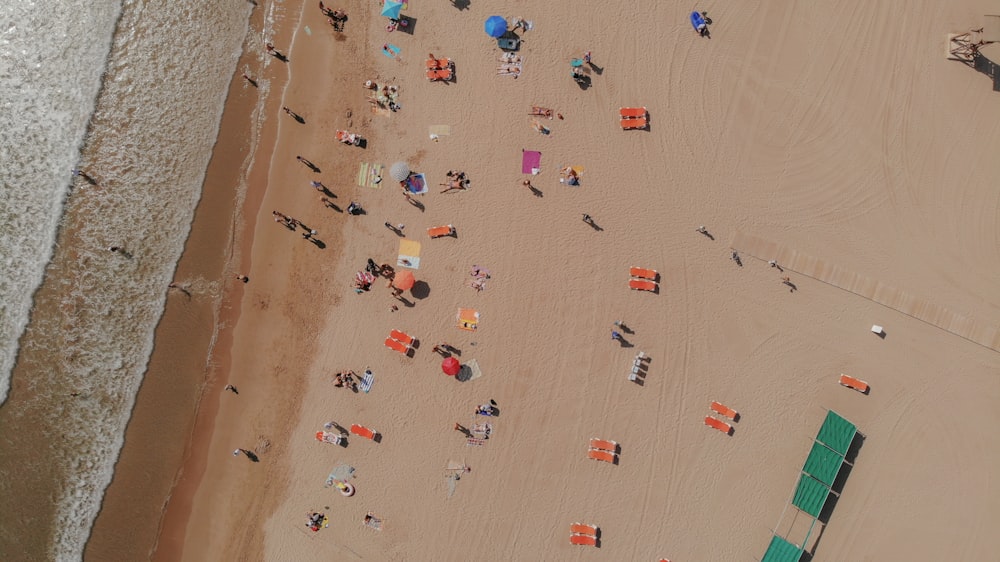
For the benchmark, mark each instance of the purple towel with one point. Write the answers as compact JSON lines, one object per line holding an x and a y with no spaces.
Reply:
{"x":531,"y":160}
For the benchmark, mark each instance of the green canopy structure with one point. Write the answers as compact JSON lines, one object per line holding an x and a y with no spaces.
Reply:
{"x":781,"y":550}
{"x":819,"y":472}
{"x":837,"y":433}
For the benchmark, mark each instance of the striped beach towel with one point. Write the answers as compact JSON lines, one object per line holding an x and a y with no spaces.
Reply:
{"x":366,"y":381}
{"x":368,"y":173}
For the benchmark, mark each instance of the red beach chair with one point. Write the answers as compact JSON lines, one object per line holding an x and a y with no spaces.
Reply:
{"x":396,"y":346}
{"x":719,"y":424}
{"x":439,"y":231}
{"x":851,"y":382}
{"x":603,"y":444}
{"x":599,"y":455}
{"x":583,"y":540}
{"x":644,"y":273}
{"x":401,"y":337}
{"x":362,"y":431}
{"x":724,"y":410}
{"x":642,"y":285}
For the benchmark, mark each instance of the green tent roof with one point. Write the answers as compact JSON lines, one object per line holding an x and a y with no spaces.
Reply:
{"x":823,"y":464}
{"x":837,"y":433}
{"x":781,"y":550}
{"x":810,"y":495}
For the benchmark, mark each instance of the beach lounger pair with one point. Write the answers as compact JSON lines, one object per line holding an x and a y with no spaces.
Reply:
{"x":722,"y":410}
{"x":851,"y":382}
{"x":583,"y":535}
{"x":439,"y":231}
{"x":362,"y":431}
{"x":399,"y":341}
{"x":643,"y":279}
{"x":633,"y":118}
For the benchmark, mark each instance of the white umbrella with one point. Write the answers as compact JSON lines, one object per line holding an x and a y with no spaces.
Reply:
{"x":400,"y":171}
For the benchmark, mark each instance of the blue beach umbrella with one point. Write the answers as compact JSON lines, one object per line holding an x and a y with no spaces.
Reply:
{"x":391,"y":9}
{"x":495,"y":26}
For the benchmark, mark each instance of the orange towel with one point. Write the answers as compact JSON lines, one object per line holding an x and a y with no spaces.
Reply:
{"x":439,"y":231}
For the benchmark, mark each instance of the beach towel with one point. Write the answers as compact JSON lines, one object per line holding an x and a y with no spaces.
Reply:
{"x":439,"y":130}
{"x":370,"y":175}
{"x":531,"y":162}
{"x":366,"y":382}
{"x":391,"y":51}
{"x":468,"y":319}
{"x":409,"y":254}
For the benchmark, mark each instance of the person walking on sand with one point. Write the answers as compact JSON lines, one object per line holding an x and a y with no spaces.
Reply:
{"x":243,"y":278}
{"x":231,"y":388}
{"x":464,"y":430}
{"x":616,"y":336}
{"x":587,"y":219}
{"x":318,"y":185}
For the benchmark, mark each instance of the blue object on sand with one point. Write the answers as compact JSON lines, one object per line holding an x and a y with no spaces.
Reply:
{"x":392,"y":9}
{"x":698,"y":22}
{"x":391,"y":51}
{"x":576,"y":62}
{"x":495,"y":26}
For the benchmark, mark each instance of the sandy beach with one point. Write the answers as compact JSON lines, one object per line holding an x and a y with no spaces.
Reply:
{"x":836,"y":132}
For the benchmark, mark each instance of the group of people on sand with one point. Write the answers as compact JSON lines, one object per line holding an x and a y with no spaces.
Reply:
{"x":315,"y":520}
{"x":346,"y":379}
{"x":335,"y":18}
{"x":456,"y":180}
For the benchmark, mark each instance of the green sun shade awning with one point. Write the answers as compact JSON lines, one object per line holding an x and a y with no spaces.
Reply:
{"x":823,"y":464}
{"x":810,"y":495}
{"x":781,"y":550}
{"x":837,"y":433}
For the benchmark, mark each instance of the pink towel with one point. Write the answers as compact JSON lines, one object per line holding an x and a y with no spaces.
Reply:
{"x":531,"y":161}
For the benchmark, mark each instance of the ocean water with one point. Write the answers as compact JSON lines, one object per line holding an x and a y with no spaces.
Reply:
{"x":132,"y":93}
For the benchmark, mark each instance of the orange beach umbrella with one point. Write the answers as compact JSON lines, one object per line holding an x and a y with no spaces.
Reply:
{"x":403,"y":280}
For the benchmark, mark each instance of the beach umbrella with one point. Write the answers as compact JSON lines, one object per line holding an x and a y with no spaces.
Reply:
{"x":391,"y":9}
{"x":451,"y":366}
{"x":399,"y":171}
{"x":403,"y":280}
{"x":495,"y":26}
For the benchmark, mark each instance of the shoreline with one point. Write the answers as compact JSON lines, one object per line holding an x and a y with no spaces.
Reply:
{"x":180,"y":385}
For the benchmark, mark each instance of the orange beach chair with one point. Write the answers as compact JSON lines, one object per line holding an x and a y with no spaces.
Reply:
{"x":437,"y":64}
{"x":632,"y":112}
{"x":851,"y":382}
{"x":363,"y":431}
{"x":396,"y":346}
{"x":719,"y":424}
{"x":581,"y":529}
{"x":401,"y":337}
{"x":599,"y":455}
{"x":439,"y":231}
{"x":604,"y":444}
{"x":443,"y":75}
{"x":644,"y":273}
{"x":642,"y":285}
{"x":724,"y":410}
{"x":628,"y":124}
{"x":583,"y":540}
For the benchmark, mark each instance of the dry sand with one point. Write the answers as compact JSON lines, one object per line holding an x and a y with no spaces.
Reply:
{"x":836,"y":129}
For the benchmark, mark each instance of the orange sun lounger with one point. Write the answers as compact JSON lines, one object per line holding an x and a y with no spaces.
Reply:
{"x":599,"y":455}
{"x":642,"y":285}
{"x":632,"y":112}
{"x":437,"y":64}
{"x":443,"y":74}
{"x":644,"y":273}
{"x":718,"y":424}
{"x":639,"y":123}
{"x":363,"y":431}
{"x":439,"y":231}
{"x":583,"y":540}
{"x":603,"y":444}
{"x":581,"y":529}
{"x":724,"y":410}
{"x":851,"y":382}
{"x":401,"y":337}
{"x":396,"y":346}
